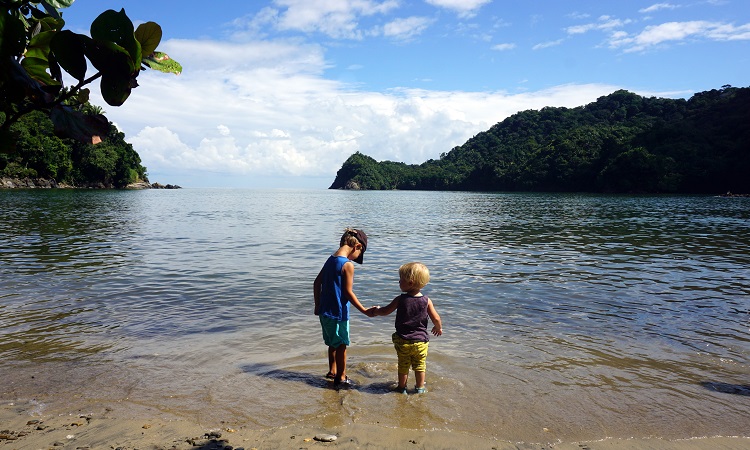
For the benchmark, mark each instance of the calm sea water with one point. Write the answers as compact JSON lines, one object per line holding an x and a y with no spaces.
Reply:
{"x":565,"y":316}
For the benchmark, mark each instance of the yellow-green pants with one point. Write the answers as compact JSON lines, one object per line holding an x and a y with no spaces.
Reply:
{"x":411,"y":354}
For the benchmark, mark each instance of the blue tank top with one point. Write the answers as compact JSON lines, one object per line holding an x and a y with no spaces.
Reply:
{"x":411,"y":318}
{"x":331,"y":303}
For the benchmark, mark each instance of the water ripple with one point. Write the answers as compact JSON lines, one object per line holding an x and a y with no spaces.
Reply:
{"x":617,"y":302}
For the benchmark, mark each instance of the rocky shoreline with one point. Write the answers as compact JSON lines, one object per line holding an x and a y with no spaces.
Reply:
{"x":42,"y":183}
{"x":147,"y":185}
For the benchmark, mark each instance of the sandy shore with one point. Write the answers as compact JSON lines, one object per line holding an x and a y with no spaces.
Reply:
{"x":21,"y":430}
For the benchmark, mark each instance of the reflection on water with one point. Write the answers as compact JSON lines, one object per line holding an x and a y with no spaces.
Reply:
{"x":587,"y":316}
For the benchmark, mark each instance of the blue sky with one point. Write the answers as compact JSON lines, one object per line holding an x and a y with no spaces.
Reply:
{"x":279,"y":93}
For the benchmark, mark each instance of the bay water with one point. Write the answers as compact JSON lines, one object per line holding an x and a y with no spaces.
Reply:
{"x":566,"y":316}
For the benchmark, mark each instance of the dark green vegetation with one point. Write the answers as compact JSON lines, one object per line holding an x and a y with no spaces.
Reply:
{"x":41,"y":154}
{"x":621,"y":143}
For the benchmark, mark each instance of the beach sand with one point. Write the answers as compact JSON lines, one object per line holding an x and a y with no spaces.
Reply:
{"x":22,"y":429}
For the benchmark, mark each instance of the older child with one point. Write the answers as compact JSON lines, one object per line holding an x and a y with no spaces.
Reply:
{"x":411,"y":338}
{"x":333,"y":292}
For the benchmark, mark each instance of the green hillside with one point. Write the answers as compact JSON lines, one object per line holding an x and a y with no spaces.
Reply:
{"x":40,"y":154}
{"x":621,"y":143}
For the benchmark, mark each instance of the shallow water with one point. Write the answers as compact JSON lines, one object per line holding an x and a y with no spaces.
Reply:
{"x":565,"y":316}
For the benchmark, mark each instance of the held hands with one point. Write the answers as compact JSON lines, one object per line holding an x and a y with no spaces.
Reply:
{"x":372,"y":312}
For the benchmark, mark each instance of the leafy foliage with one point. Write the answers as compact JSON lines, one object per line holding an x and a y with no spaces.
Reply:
{"x":41,"y":154}
{"x":620,"y":143}
{"x":35,"y":50}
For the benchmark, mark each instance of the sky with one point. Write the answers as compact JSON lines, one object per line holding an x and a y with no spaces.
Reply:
{"x":279,"y":93}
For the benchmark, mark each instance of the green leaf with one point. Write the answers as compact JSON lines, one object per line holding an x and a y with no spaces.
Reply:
{"x":37,"y":69}
{"x":112,"y":26}
{"x":39,"y":45}
{"x":36,"y":52}
{"x":54,"y":68}
{"x":35,"y":14}
{"x":12,"y":35}
{"x":48,"y":23}
{"x":81,"y":127}
{"x":149,"y":35}
{"x":20,"y":84}
{"x":50,"y":9}
{"x":163,"y":63}
{"x":115,"y":88}
{"x":68,"y":48}
{"x":108,"y":57}
{"x":36,"y":60}
{"x":115,"y":65}
{"x":83,"y":95}
{"x":59,"y":4}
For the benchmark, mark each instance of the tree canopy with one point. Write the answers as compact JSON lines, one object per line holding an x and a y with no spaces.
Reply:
{"x":623,"y":142}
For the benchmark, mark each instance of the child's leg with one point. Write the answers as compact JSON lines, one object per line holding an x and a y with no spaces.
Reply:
{"x":419,"y":376}
{"x":402,"y":352}
{"x":336,"y":337}
{"x":340,"y":357}
{"x":402,"y":379}
{"x":332,"y":360}
{"x":419,"y":363}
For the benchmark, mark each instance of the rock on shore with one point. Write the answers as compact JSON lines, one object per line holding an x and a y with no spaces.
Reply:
{"x":27,"y":183}
{"x":147,"y":185}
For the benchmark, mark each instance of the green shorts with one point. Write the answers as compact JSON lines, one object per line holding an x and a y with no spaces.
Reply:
{"x":335,"y":332}
{"x":411,"y":354}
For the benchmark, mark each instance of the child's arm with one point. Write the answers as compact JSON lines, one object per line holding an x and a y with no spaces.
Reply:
{"x":316,"y":291}
{"x":384,"y":311}
{"x":347,"y":287}
{"x":437,"y":324}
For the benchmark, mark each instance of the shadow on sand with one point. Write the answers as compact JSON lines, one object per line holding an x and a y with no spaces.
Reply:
{"x":318,"y":381}
{"x":727,"y":388}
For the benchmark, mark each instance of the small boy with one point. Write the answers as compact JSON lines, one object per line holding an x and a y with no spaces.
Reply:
{"x":411,"y":338}
{"x":333,"y":292}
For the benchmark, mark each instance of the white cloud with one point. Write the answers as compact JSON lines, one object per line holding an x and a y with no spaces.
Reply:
{"x":678,"y":31}
{"x":504,"y":47}
{"x":657,"y":7}
{"x":251,"y":27}
{"x":407,"y":28}
{"x":223,"y":130}
{"x":548,"y":44}
{"x":656,"y":35}
{"x":578,"y":15}
{"x":464,"y":8}
{"x":335,"y":18}
{"x":605,"y":23}
{"x":268,"y":111}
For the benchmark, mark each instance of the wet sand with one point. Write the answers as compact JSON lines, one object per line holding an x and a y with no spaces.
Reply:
{"x":22,"y":428}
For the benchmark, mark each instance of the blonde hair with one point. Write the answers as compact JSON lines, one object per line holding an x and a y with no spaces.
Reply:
{"x":415,"y":273}
{"x":349,"y":238}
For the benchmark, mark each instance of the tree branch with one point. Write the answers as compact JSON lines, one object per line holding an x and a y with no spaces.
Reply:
{"x":31,"y":107}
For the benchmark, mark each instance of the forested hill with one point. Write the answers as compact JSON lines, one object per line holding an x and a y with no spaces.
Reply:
{"x":621,"y":143}
{"x":42,"y":156}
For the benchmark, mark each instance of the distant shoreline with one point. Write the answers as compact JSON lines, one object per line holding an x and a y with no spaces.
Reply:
{"x":43,"y":183}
